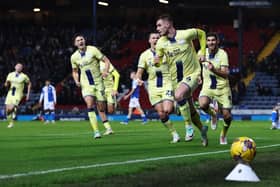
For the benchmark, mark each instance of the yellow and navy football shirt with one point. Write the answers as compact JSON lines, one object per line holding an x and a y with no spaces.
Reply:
{"x":180,"y":53}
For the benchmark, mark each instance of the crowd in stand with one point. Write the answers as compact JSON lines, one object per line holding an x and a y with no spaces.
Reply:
{"x":45,"y":51}
{"x":271,"y":64}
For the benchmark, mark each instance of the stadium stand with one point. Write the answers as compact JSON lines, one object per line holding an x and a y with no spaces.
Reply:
{"x":50,"y":50}
{"x":264,"y":90}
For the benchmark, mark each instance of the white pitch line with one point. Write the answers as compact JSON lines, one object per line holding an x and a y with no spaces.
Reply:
{"x":32,"y":173}
{"x":85,"y":133}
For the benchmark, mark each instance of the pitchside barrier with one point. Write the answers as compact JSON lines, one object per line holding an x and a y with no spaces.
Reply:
{"x":258,"y":115}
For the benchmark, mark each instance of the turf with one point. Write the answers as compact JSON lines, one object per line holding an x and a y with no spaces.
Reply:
{"x":33,"y":146}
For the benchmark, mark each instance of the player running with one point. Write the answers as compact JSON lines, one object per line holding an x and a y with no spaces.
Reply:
{"x":160,"y":89}
{"x":185,"y":69}
{"x":15,"y":82}
{"x":216,"y":84}
{"x":134,"y":100}
{"x":48,"y":94}
{"x":111,"y":83}
{"x":87,"y":58}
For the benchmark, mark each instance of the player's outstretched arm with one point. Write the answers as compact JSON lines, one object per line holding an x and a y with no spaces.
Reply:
{"x":202,"y":42}
{"x":107,"y":66}
{"x":75,"y":75}
{"x":41,"y":97}
{"x":7,"y":84}
{"x":8,"y":81}
{"x":28,"y":90}
{"x":129,"y":94}
{"x":116,"y":76}
{"x":139,"y":75}
{"x":54,"y":95}
{"x":158,"y":58}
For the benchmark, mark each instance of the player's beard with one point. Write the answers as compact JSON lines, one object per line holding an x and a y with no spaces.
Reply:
{"x":213,"y":47}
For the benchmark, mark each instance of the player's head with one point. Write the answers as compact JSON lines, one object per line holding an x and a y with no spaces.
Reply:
{"x":47,"y":82}
{"x":79,"y":41}
{"x":212,"y":40}
{"x":164,"y":23}
{"x":132,"y":74}
{"x":18,"y":67}
{"x":153,"y":38}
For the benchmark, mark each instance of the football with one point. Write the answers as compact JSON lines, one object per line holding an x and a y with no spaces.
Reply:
{"x":243,"y":149}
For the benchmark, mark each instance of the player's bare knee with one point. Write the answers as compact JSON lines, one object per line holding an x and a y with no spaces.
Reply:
{"x":178,"y":96}
{"x":168,"y":111}
{"x":9,"y":109}
{"x":110,"y":110}
{"x":227,"y":115}
{"x":161,"y":115}
{"x":204,"y":106}
{"x":90,"y":105}
{"x":101,"y":109}
{"x":165,"y":119}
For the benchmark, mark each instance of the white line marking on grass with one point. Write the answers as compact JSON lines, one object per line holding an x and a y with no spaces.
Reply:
{"x":63,"y":134}
{"x":32,"y":173}
{"x":86,"y":133}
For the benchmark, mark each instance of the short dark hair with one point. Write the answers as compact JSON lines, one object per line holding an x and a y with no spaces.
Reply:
{"x":213,"y":34}
{"x":77,"y":35}
{"x":20,"y":62}
{"x":152,"y":32}
{"x":166,"y":17}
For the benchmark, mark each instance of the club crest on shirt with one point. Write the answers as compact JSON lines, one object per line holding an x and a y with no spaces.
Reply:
{"x":18,"y":79}
{"x":85,"y":60}
{"x":89,"y":55}
{"x":181,"y":42}
{"x":150,"y":64}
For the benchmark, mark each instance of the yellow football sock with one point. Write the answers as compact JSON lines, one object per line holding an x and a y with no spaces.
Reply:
{"x":196,"y":120}
{"x":226,"y":126}
{"x":10,"y":118}
{"x":211,"y":111}
{"x":107,"y":125}
{"x":170,"y":126}
{"x":93,"y":120}
{"x":224,"y":130}
{"x":185,"y":113}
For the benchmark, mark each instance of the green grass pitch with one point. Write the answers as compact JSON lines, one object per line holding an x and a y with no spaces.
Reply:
{"x":65,"y":154}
